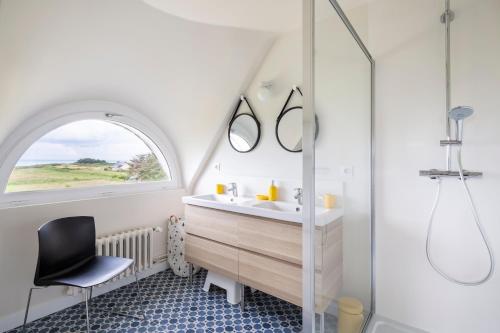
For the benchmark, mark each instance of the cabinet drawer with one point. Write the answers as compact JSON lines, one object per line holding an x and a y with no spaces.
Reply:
{"x":213,"y":256}
{"x":211,"y":224}
{"x":270,"y":237}
{"x":272,"y":276}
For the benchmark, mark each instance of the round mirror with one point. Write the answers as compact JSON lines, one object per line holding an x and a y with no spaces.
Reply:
{"x":289,"y":129}
{"x":244,"y":132}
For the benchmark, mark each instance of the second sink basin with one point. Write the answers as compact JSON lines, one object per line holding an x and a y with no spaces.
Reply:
{"x":278,"y":206}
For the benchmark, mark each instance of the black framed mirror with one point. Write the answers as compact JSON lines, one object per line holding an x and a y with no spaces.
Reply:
{"x":289,"y":126}
{"x":244,"y":129}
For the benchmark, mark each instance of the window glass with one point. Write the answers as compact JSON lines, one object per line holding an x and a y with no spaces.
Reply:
{"x":88,"y":153}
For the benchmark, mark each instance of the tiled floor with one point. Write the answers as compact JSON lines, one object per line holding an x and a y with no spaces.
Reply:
{"x":173,"y":305}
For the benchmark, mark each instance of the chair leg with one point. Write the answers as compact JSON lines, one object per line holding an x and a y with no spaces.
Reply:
{"x":87,"y":309}
{"x":27,"y":309}
{"x":140,"y":294}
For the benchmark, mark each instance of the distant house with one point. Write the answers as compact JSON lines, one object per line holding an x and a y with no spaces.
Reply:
{"x":120,"y":166}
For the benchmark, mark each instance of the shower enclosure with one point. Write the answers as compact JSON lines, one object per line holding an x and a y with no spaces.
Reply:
{"x":338,"y":89}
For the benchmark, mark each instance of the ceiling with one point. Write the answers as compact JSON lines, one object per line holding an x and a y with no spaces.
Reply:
{"x":266,"y":15}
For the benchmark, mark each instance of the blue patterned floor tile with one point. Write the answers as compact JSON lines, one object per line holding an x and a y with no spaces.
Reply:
{"x":173,"y":305}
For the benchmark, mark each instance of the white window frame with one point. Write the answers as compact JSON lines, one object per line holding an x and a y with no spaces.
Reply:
{"x":24,"y":136}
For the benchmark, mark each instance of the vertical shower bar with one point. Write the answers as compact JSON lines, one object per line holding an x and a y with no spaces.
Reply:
{"x":446,"y":18}
{"x":308,"y":161}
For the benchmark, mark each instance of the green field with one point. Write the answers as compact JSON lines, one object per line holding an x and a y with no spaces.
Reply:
{"x":58,"y":176}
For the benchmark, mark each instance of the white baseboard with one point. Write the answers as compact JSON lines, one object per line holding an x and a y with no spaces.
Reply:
{"x":44,"y":309}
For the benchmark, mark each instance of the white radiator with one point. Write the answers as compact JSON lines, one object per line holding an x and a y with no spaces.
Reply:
{"x":135,"y":244}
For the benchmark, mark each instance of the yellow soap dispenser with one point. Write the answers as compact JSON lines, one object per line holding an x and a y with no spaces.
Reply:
{"x":273,"y":192}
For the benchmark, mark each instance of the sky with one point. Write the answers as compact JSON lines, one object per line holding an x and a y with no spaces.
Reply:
{"x":86,"y":138}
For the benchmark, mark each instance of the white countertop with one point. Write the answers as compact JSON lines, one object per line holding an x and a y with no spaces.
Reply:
{"x":278,"y":210}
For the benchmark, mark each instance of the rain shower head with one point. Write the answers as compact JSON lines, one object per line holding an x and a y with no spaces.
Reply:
{"x":458,"y":114}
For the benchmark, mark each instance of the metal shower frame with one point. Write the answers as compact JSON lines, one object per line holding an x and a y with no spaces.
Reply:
{"x":308,"y":160}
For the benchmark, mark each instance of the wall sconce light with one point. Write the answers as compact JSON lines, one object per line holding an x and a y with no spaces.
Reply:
{"x":265,"y":90}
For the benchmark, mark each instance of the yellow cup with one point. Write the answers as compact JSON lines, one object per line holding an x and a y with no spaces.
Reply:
{"x":220,"y":188}
{"x":329,"y":201}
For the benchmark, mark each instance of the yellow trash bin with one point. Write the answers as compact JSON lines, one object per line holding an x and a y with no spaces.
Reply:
{"x":351,"y":316}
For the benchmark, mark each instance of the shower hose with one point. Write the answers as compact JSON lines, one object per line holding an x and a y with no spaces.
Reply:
{"x":478,"y":224}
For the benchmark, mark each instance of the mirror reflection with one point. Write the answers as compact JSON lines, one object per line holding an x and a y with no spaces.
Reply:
{"x":244,"y":133}
{"x":289,"y":129}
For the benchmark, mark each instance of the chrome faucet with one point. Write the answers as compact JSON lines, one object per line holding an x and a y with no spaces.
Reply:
{"x":233,"y":188}
{"x":298,"y":195}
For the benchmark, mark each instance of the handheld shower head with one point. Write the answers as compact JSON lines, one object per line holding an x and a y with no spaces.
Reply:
{"x":458,"y":114}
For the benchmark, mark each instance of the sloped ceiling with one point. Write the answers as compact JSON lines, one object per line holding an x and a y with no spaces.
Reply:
{"x":183,"y":75}
{"x":265,"y":15}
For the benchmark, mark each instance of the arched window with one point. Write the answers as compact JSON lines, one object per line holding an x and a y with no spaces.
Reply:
{"x":85,"y":149}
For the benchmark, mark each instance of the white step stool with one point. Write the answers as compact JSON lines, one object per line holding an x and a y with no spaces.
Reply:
{"x":232,"y":287}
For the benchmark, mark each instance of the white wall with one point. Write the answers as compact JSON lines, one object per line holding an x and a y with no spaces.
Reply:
{"x":183,"y":75}
{"x":57,"y":51}
{"x":343,"y":109}
{"x":407,"y":41}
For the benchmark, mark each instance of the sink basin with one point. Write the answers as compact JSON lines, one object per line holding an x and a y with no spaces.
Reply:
{"x":278,"y":210}
{"x":227,"y":199}
{"x":278,"y":206}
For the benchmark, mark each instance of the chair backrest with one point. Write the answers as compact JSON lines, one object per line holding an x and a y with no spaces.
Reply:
{"x":63,"y":245}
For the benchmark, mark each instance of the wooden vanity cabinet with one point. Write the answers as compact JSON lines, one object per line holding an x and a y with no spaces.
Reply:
{"x":275,"y":277}
{"x":212,"y":255}
{"x":263,"y":253}
{"x":208,"y":223}
{"x":273,"y":238}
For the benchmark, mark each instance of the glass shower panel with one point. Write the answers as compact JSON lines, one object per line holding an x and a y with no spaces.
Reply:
{"x":343,"y":170}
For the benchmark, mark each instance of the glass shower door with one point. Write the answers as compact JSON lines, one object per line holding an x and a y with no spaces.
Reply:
{"x":337,"y":167}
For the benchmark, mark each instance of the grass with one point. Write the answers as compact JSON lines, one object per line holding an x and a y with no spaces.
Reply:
{"x":59,"y":176}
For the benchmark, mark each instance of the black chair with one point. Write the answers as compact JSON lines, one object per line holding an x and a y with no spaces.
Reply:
{"x":67,"y":257}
